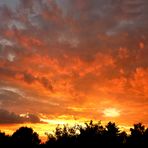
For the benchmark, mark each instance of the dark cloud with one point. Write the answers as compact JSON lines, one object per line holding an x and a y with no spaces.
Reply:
{"x":46,"y":83}
{"x":33,"y":118}
{"x":12,"y":118}
{"x":27,"y":77}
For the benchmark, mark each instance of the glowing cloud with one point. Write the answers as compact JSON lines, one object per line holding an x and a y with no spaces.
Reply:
{"x":111,"y":112}
{"x":85,"y":59}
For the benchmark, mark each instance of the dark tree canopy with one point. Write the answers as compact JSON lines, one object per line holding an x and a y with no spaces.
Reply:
{"x":92,"y":134}
{"x":25,"y":136}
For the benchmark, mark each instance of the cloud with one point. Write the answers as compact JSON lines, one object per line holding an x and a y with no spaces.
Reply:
{"x":46,"y":83}
{"x":33,"y":118}
{"x":10,"y":97}
{"x":26,"y":77}
{"x":7,"y":72}
{"x":12,"y":118}
{"x":73,"y":53}
{"x":5,"y":42}
{"x":29,"y":78}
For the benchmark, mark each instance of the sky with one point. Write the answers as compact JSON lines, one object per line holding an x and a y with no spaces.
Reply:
{"x":69,"y":61}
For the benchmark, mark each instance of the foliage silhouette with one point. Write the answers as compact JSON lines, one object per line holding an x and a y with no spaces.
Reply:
{"x":92,"y":134}
{"x":138,"y":135}
{"x":4,"y":139}
{"x":25,"y":136}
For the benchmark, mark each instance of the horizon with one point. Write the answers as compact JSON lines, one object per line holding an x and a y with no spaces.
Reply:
{"x":43,"y":129}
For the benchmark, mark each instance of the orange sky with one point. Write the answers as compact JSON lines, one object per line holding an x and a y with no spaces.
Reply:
{"x":69,"y":61}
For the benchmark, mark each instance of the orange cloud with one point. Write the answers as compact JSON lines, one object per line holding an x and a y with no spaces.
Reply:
{"x":75,"y":60}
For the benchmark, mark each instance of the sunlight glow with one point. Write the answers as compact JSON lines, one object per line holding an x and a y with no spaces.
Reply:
{"x":111,"y":112}
{"x":61,"y":121}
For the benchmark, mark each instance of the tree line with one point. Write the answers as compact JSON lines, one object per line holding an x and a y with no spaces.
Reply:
{"x":92,"y":134}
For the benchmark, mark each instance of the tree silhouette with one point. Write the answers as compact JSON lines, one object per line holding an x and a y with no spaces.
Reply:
{"x":112,"y":134}
{"x":63,"y":136}
{"x":92,"y":135}
{"x":137,"y":134}
{"x":4,"y":139}
{"x":122,"y":138}
{"x":145,"y":137}
{"x":25,"y":136}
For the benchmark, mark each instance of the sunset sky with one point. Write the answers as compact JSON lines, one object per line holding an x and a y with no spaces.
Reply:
{"x":69,"y":61}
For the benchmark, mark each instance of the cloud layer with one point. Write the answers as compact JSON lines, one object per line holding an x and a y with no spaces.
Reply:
{"x":74,"y":58}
